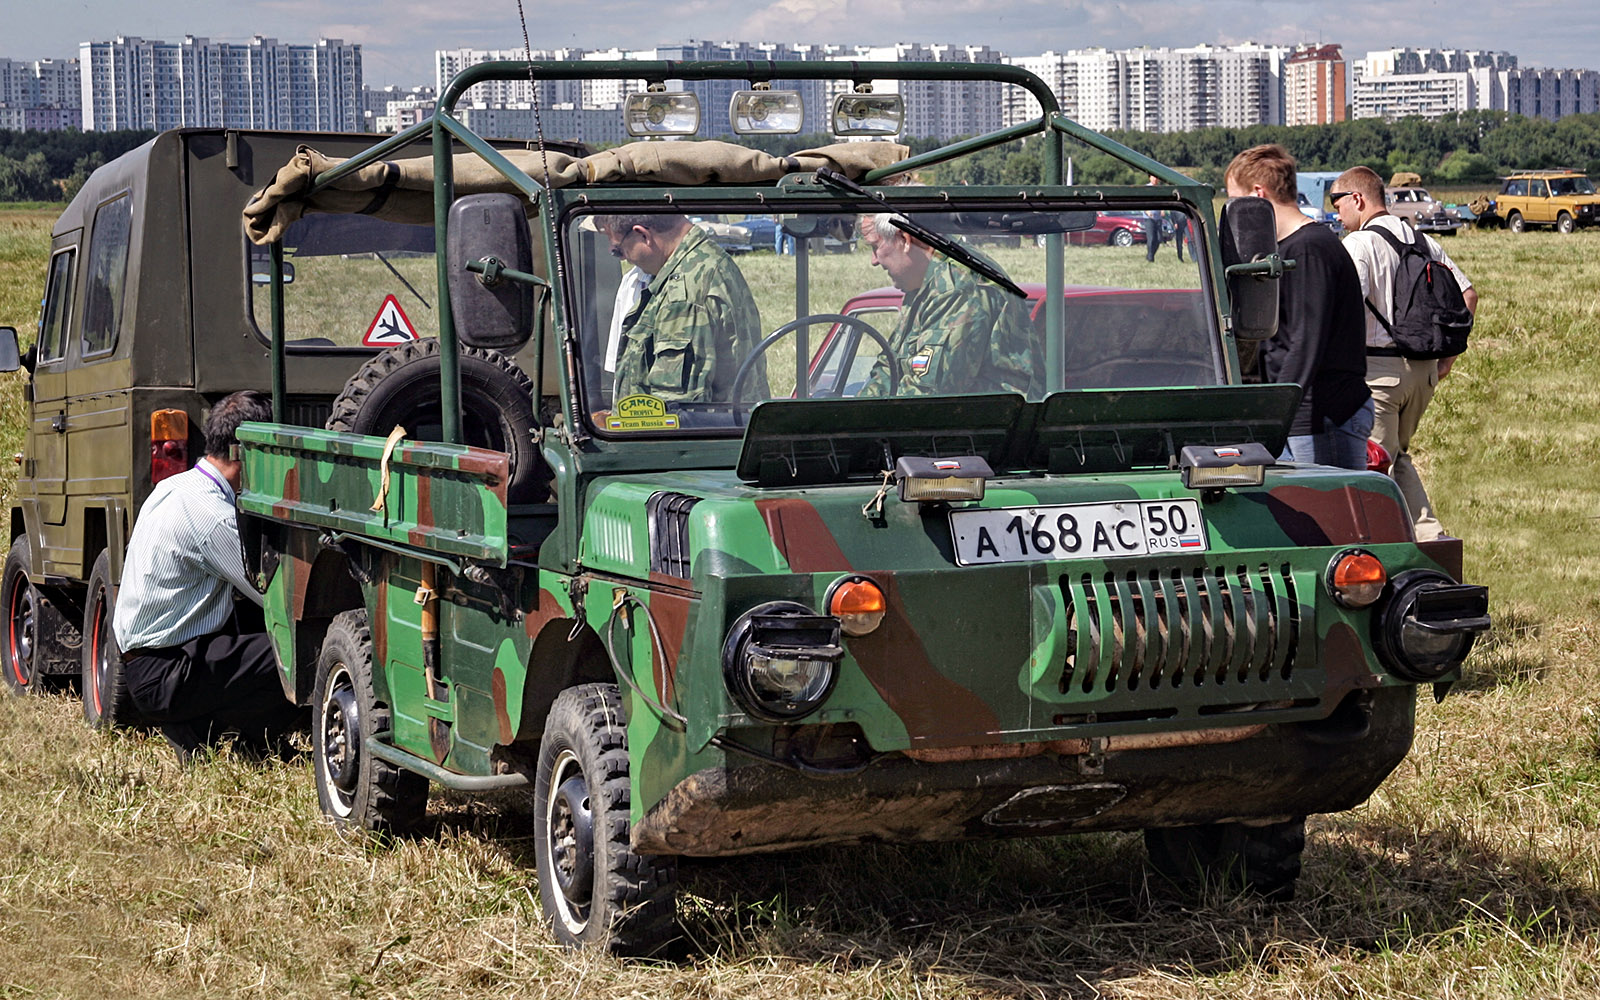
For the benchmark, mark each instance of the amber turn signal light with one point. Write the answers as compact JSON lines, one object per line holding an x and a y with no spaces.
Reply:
{"x":1356,"y":578}
{"x":858,"y":603}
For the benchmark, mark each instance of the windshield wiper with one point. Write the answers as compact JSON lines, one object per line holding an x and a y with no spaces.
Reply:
{"x":943,"y":244}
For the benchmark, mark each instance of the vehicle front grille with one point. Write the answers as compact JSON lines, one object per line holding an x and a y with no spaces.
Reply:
{"x":1233,"y":631}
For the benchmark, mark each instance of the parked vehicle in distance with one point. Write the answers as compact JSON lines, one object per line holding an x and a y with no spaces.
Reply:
{"x":1118,"y":229}
{"x":1417,"y":206}
{"x":1311,"y":189}
{"x":1564,"y":199}
{"x":730,"y":237}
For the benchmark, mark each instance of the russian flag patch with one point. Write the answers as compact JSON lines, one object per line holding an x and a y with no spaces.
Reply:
{"x":1189,"y":542}
{"x":919,"y":363}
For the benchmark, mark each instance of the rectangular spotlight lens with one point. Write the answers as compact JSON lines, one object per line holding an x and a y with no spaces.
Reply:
{"x":868,"y":114}
{"x":761,"y":112}
{"x":656,"y":113}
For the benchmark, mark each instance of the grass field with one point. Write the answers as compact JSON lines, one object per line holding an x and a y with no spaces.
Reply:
{"x":1474,"y":872}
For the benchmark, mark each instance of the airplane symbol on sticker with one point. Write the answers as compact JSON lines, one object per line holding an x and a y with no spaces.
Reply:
{"x":390,"y":326}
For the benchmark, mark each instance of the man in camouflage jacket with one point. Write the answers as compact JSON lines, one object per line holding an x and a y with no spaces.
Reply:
{"x":957,"y":332}
{"x":694,"y":324}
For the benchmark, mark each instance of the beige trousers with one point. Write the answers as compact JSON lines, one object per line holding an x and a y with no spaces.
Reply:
{"x":1401,"y":391}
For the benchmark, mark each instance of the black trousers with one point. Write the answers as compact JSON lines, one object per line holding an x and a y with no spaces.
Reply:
{"x":217,"y":682}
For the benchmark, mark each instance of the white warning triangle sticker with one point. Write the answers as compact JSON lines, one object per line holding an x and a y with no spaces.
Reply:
{"x":390,"y":326}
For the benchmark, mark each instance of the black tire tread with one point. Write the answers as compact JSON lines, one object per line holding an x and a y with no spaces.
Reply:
{"x":118,"y":708}
{"x":1261,"y":860}
{"x":390,"y":799}
{"x":641,"y":889}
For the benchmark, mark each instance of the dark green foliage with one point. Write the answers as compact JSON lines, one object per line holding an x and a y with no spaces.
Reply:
{"x":52,"y":166}
{"x":1470,"y":147}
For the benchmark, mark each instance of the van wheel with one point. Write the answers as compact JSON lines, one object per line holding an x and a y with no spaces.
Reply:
{"x":21,"y":603}
{"x":1514,"y":222}
{"x":1261,"y":860}
{"x":594,"y":889}
{"x":104,"y":688}
{"x":355,"y":789}
{"x":400,"y":387}
{"x":1564,"y":224}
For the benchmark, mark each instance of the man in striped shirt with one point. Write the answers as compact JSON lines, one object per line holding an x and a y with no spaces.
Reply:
{"x":190,"y":667}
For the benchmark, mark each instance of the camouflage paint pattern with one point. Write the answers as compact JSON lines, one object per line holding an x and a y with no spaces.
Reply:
{"x":693,"y":326}
{"x":959,"y":333}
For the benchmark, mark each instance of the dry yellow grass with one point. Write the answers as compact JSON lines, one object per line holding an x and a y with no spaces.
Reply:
{"x":1474,"y":872}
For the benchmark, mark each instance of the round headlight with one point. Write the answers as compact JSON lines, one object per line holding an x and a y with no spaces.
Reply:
{"x":1409,"y":648}
{"x":781,"y":659}
{"x":1356,"y":578}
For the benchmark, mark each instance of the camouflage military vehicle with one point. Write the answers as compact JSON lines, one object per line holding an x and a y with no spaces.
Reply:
{"x":154,"y":307}
{"x":728,"y":607}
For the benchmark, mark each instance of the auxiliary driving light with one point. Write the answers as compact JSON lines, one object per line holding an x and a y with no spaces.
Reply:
{"x":766,"y":112}
{"x":858,"y":603}
{"x":659,"y":112}
{"x":1214,"y":467}
{"x":927,"y":479}
{"x":1356,"y":578}
{"x":781,"y":659}
{"x":868,"y":114}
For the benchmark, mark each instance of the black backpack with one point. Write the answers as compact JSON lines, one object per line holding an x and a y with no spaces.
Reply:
{"x":1431,"y":318}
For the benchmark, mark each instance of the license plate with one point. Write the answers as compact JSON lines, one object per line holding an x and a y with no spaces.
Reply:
{"x":1077,"y":531}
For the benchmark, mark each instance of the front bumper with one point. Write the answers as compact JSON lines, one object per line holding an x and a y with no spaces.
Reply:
{"x":1289,"y":769}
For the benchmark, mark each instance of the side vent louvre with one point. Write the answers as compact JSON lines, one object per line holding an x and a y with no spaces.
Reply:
{"x":668,"y":514}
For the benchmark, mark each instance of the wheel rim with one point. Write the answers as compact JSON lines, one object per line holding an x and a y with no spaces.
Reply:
{"x":1123,"y":238}
{"x":102,"y":663}
{"x":23,"y":618}
{"x":339,"y":756}
{"x":569,"y":842}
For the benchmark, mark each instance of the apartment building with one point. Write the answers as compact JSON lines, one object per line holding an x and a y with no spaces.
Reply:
{"x":42,"y":95}
{"x":137,"y":83}
{"x":1314,"y":86}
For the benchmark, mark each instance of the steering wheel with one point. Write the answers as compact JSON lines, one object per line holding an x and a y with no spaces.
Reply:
{"x":802,"y":365}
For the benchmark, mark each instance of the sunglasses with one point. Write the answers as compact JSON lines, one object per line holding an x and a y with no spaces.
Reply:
{"x":1334,"y":196}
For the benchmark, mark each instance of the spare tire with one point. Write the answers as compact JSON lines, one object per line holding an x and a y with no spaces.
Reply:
{"x":400,"y":387}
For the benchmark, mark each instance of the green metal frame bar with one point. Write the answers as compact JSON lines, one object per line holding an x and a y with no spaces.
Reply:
{"x":433,"y":772}
{"x":280,"y":389}
{"x":340,"y":537}
{"x":444,"y":194}
{"x":955,"y":149}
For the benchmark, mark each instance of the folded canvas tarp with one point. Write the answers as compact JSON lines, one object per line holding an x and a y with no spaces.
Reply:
{"x":402,"y":190}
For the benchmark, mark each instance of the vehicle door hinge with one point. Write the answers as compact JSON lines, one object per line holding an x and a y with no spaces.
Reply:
{"x":58,"y":423}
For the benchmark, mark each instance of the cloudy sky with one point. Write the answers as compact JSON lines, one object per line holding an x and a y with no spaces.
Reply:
{"x":398,"y":37}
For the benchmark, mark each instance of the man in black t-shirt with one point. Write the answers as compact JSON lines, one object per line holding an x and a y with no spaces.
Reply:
{"x":1321,"y":340}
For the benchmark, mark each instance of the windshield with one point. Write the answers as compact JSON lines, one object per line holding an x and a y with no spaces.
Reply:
{"x":685,"y":323}
{"x":1571,"y":185}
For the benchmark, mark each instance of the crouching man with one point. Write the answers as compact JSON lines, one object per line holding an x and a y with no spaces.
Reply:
{"x":192,"y":666}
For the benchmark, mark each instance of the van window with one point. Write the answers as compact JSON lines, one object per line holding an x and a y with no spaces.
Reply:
{"x":108,"y":276}
{"x":53,"y":322}
{"x":350,"y":281}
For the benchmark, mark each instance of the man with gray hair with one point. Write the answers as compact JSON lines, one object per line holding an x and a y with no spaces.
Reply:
{"x":957,"y":331}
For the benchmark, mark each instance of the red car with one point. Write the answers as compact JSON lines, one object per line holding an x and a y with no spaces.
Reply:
{"x":1115,"y":230}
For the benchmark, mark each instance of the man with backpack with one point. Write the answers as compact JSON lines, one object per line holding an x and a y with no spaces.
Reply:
{"x":1420,"y":309}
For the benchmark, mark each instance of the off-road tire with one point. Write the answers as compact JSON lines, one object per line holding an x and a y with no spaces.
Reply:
{"x":1120,"y":238}
{"x":400,"y":387}
{"x":602,"y":893}
{"x":21,"y":604}
{"x":103,"y":686}
{"x":1514,"y":222}
{"x":355,"y":789}
{"x":1564,"y":224}
{"x":1260,"y":860}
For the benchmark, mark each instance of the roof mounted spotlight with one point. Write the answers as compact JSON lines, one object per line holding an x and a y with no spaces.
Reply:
{"x":865,"y":113}
{"x":657,"y":112}
{"x":764,"y":111}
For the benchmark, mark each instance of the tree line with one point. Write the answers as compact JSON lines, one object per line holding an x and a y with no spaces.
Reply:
{"x":1465,"y":148}
{"x":51,"y":166}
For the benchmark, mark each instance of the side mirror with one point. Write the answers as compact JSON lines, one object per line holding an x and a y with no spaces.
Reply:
{"x":1250,"y":234}
{"x":490,"y":310}
{"x":10,"y":354}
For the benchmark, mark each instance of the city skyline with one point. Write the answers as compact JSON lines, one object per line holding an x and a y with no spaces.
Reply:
{"x":398,"y":39}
